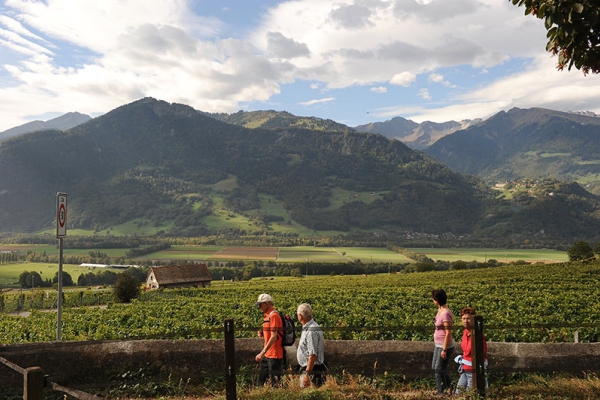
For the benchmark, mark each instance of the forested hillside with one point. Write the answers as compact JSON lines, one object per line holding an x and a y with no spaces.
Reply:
{"x":150,"y":163}
{"x":526,"y":143}
{"x":279,"y":119}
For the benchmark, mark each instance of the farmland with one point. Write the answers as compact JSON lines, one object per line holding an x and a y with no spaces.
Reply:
{"x":523,"y":303}
{"x":309,"y":253}
{"x":500,"y":255}
{"x":349,"y":254}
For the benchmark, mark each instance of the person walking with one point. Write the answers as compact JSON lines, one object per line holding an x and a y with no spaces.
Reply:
{"x":442,"y":338}
{"x":271,"y":355}
{"x":465,"y":361}
{"x":311,"y":349}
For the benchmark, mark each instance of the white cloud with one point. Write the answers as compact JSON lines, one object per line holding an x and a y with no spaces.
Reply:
{"x":379,"y":89}
{"x":283,"y":47}
{"x":438,"y":78}
{"x":424,"y":94}
{"x":317,"y":101}
{"x":91,"y":56}
{"x":403,"y":79}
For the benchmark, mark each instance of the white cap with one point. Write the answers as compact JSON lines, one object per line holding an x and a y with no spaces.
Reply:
{"x":263,"y":298}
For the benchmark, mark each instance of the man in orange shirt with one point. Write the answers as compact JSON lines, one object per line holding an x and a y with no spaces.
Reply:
{"x":271,"y":356}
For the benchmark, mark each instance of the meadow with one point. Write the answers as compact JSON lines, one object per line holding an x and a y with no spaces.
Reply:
{"x":9,"y":273}
{"x":351,"y":254}
{"x":520,"y":303}
{"x":500,"y":255}
{"x":310,"y":253}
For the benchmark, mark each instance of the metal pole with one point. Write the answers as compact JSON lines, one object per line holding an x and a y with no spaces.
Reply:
{"x":478,"y":359}
{"x":60,"y":282}
{"x":230,"y":360}
{"x":61,"y":232}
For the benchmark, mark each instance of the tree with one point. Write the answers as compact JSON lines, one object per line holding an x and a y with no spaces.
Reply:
{"x":597,"y":249}
{"x":573,"y":31}
{"x":23,"y":279}
{"x":424,"y":267}
{"x":580,"y":251}
{"x":30,"y":279}
{"x":126,"y":287}
{"x":67,"y":280}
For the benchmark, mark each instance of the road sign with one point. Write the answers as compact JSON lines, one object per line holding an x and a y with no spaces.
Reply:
{"x":61,"y":215}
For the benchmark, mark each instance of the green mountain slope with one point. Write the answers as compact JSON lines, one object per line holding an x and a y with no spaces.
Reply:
{"x":163,"y":164}
{"x":150,"y":167}
{"x":532,"y":143}
{"x":271,"y":119}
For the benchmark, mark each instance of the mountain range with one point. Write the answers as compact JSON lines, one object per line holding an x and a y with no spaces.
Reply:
{"x":151,"y":167}
{"x":526,"y":143}
{"x":64,"y":122}
{"x":416,"y":136}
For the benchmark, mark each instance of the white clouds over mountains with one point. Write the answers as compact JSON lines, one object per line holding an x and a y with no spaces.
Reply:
{"x":436,"y":59}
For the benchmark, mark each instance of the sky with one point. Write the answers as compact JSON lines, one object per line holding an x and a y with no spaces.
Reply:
{"x":352,"y":61}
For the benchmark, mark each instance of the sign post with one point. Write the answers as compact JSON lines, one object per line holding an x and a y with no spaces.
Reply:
{"x":61,"y":232}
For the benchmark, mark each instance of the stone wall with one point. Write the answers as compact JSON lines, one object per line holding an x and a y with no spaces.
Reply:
{"x":94,"y":362}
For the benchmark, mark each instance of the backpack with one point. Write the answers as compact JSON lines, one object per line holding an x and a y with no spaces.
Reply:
{"x":289,"y":330}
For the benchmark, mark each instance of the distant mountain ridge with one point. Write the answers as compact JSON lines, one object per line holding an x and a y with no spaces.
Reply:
{"x":271,"y":119}
{"x":64,"y":122}
{"x":156,"y":162}
{"x":526,"y":143}
{"x":169,"y":169}
{"x":415,"y":135}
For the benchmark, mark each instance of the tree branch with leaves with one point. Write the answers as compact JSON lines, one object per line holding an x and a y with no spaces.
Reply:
{"x":573,"y":31}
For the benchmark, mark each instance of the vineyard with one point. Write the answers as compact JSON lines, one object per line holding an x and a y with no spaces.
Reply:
{"x":525,"y":303}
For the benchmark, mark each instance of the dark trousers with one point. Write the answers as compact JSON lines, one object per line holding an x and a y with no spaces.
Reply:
{"x":270,"y":368}
{"x":317,"y":375}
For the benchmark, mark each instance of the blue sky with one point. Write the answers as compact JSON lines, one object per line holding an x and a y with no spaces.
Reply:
{"x":353,"y":61}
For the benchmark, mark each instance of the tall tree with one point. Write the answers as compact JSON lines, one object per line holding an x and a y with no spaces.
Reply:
{"x":67,"y":279}
{"x":126,"y":287}
{"x":580,"y":251}
{"x":573,"y":31}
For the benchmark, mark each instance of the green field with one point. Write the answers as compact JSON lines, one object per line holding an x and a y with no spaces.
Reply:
{"x":340,"y":196}
{"x":366,"y":254}
{"x":500,"y":255}
{"x":9,"y":273}
{"x":321,"y":254}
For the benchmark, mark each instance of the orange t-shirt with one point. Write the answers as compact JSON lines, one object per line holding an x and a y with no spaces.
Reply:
{"x":272,"y":325}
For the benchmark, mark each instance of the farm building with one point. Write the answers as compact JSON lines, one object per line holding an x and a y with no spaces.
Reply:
{"x":191,"y":275}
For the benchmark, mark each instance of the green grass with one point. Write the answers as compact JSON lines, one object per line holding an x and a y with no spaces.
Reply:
{"x":294,"y":159}
{"x":139,"y":227}
{"x":547,"y":155}
{"x":373,"y":255}
{"x":226,"y":184}
{"x":501,"y":255}
{"x":308,"y":254}
{"x":340,"y":196}
{"x":184,"y":253}
{"x":221,"y":219}
{"x":272,"y":206}
{"x":330,"y":254}
{"x":9,"y":273}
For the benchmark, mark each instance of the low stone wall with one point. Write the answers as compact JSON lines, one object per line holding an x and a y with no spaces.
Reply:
{"x":93,"y":362}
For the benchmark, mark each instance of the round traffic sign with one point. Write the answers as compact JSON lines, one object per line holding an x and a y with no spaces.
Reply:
{"x":62,"y":215}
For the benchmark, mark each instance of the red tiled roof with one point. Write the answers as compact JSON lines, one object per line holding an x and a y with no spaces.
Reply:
{"x":181,"y":274}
